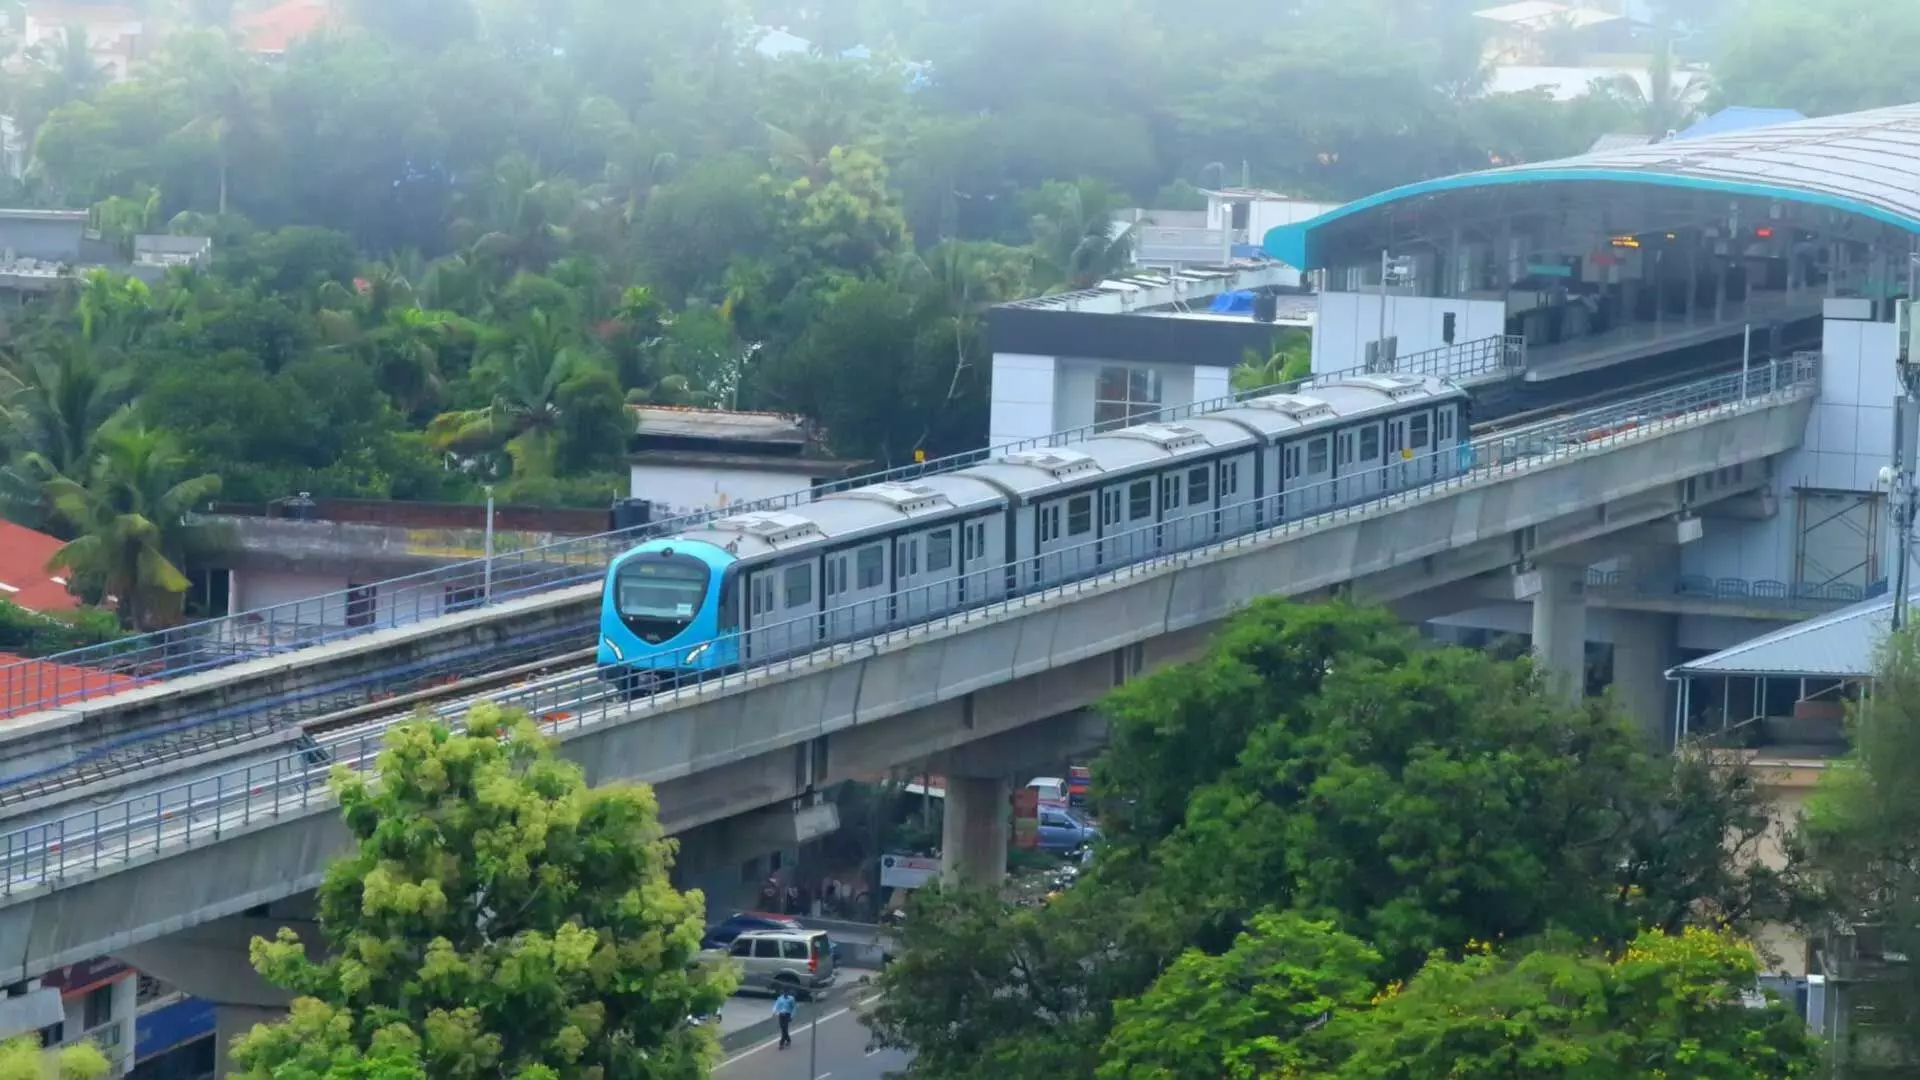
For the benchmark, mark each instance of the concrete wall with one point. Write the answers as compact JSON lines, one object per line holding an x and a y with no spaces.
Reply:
{"x":258,"y":589}
{"x":732,"y":746}
{"x":1849,"y":437}
{"x":1348,"y":321}
{"x":675,"y":490}
{"x":1036,"y":396}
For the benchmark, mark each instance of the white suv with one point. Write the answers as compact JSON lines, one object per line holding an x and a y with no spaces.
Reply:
{"x":799,"y":961}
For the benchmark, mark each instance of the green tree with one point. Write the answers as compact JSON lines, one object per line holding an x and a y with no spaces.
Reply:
{"x":1323,"y":760}
{"x":1669,"y":1006}
{"x":22,"y":1059}
{"x":1861,"y":838}
{"x":496,"y":918}
{"x":1241,"y":1015}
{"x":524,"y":368}
{"x":128,"y":513}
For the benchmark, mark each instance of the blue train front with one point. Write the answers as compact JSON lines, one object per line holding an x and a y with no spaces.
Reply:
{"x":663,"y":614}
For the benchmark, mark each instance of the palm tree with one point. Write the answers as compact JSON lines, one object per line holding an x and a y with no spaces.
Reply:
{"x":65,"y":70}
{"x":517,"y":219}
{"x":527,"y":363}
{"x":63,"y":396}
{"x":1289,"y":362}
{"x":377,"y":321}
{"x":1073,"y":229}
{"x":223,"y":84}
{"x":129,"y":513}
{"x":1667,"y":102}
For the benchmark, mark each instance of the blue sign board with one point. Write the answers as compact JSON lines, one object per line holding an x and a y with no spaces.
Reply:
{"x":163,"y":1029}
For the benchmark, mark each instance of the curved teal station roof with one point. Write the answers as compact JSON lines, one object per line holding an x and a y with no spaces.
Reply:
{"x":1866,"y":164}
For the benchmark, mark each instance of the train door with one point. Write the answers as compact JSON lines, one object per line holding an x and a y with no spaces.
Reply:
{"x":1199,"y":526}
{"x":910,"y":600}
{"x":937,"y":575}
{"x":1172,"y":507}
{"x":763,"y":587}
{"x":1346,"y":476}
{"x":838,"y":589}
{"x":869,"y":596}
{"x":980,"y":572}
{"x":1235,"y":514}
{"x":1398,"y":472}
{"x":1420,"y":441}
{"x":1137,"y":541}
{"x":1291,"y":456}
{"x":792,"y":626}
{"x":1110,"y":550}
{"x":1369,"y":468}
{"x":1316,"y":475}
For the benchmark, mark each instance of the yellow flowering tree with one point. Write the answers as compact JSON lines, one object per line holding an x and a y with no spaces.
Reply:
{"x":23,"y":1059}
{"x":1670,"y":1006}
{"x":497,"y":918}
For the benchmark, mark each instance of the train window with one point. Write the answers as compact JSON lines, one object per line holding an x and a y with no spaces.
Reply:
{"x":1446,"y":423}
{"x":939,"y":550}
{"x":799,"y":586}
{"x":980,"y":540}
{"x":1169,"y":493}
{"x":1109,"y":508}
{"x":1079,"y":515}
{"x":1343,"y":449}
{"x":906,"y":556}
{"x":1417,"y":432}
{"x":763,"y":593}
{"x":1290,"y":468}
{"x":1229,"y":478}
{"x":1049,"y":517}
{"x":1317,"y":456}
{"x":1370,"y":443}
{"x":1140,"y":500}
{"x":869,"y":567}
{"x":1198,"y":484}
{"x":836,"y":575}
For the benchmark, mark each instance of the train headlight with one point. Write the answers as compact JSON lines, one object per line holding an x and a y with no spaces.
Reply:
{"x":617,"y":654}
{"x":694,"y":654}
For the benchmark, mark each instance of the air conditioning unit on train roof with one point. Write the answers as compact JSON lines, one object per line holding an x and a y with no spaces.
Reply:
{"x":772,"y":526}
{"x":1394,"y":386}
{"x":1056,"y":462}
{"x":1173,"y":438}
{"x":906,"y":498}
{"x":1298,"y":406}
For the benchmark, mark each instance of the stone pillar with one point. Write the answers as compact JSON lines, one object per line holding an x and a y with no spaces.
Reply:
{"x":975,"y":831}
{"x":1643,"y":649}
{"x":1560,"y":626}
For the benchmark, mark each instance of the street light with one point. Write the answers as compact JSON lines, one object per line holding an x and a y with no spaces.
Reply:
{"x":486,"y":569}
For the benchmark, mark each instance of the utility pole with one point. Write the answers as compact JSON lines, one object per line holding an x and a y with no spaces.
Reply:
{"x":486,"y":582}
{"x":1380,"y":346}
{"x":1900,"y":476}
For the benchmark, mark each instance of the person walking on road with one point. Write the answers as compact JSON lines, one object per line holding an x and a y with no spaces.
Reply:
{"x":783,"y":1012}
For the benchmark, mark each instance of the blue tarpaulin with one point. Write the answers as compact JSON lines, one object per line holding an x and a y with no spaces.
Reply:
{"x":1233,"y":303}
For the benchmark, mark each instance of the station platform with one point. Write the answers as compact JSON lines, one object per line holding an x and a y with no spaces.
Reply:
{"x":1639,"y":340}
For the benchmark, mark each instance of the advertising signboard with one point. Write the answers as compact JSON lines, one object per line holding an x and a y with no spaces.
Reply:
{"x":907,"y":871}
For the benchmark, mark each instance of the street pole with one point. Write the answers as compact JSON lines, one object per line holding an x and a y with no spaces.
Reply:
{"x":486,"y":583}
{"x":1380,"y":349}
{"x":1746,"y":358}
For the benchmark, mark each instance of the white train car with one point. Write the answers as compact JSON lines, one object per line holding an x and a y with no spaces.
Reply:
{"x":851,"y":563}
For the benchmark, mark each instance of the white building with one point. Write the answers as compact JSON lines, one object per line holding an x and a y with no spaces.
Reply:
{"x":1129,"y":347}
{"x":687,"y":460}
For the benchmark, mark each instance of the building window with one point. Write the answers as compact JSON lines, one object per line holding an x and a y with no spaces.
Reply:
{"x":98,"y":1008}
{"x":869,"y":567}
{"x":1123,"y":395}
{"x":1079,"y":515}
{"x":799,"y":586}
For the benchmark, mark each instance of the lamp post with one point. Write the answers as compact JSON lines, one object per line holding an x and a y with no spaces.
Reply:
{"x":486,"y":570}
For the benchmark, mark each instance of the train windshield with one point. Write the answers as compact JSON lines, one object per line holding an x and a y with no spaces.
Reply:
{"x":658,"y":595}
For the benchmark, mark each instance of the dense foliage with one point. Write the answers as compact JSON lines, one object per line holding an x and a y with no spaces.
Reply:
{"x":23,"y":1059}
{"x":497,"y":918}
{"x":453,"y":238}
{"x":1325,"y":806}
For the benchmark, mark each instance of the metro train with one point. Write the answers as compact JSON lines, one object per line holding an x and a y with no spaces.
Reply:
{"x":756,"y":586}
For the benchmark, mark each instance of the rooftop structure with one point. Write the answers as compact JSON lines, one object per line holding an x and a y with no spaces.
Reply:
{"x":685,"y":460}
{"x":24,"y":577}
{"x":272,"y":31}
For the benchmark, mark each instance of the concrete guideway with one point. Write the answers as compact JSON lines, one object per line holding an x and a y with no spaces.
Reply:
{"x":249,"y":656}
{"x":89,"y":885}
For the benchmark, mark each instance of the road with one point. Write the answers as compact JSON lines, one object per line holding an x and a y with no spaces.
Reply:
{"x":841,"y":1055}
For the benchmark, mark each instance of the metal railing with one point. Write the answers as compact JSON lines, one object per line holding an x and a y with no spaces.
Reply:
{"x":43,"y":855}
{"x":1758,"y":592}
{"x":164,"y":655}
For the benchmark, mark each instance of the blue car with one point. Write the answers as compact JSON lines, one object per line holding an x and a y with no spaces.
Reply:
{"x":721,"y":934}
{"x":1062,"y":829}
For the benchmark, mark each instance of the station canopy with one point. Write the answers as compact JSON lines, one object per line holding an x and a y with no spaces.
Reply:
{"x":1861,"y":169}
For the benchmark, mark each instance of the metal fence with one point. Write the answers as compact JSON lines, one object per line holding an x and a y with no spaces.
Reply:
{"x":1754,"y":592}
{"x":43,"y":855}
{"x":202,"y":646}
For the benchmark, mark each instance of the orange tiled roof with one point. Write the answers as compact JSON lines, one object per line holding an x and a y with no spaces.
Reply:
{"x":24,"y":577}
{"x":29,"y":685}
{"x":276,"y":28}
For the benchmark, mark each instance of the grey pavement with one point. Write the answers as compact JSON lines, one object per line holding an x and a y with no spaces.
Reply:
{"x":840,"y":1053}
{"x":747,"y":1017}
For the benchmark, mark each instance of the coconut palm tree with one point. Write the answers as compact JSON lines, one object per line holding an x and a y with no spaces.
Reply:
{"x":129,"y":515}
{"x":1670,"y":99}
{"x":1073,"y":229}
{"x":224,"y":85}
{"x":377,"y":321}
{"x":527,"y":363}
{"x":63,"y":394}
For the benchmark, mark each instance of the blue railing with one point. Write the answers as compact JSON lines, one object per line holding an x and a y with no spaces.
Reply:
{"x":214,"y":643}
